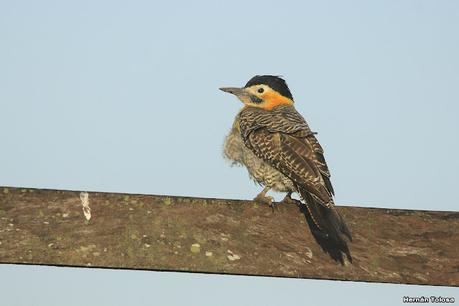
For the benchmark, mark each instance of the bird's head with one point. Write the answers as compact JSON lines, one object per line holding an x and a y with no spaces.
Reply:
{"x":263,"y":91}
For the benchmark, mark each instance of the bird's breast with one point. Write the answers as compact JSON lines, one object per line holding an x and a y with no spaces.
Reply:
{"x":260,"y":171}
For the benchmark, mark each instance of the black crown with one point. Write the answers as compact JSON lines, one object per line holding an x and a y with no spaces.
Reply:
{"x":273,"y":81}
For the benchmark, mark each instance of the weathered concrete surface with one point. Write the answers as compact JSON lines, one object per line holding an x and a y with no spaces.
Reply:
{"x":222,"y":236}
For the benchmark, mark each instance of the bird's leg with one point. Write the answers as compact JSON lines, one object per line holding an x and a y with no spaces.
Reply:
{"x":263,"y":198}
{"x":288,"y":199}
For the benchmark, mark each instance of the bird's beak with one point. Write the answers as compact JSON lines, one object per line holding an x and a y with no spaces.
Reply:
{"x":235,"y":91}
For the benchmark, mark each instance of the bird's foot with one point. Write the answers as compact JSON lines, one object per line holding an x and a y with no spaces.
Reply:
{"x":288,"y":200}
{"x":266,"y":200}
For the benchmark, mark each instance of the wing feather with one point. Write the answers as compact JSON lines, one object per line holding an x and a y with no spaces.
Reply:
{"x":283,"y":139}
{"x":294,"y":157}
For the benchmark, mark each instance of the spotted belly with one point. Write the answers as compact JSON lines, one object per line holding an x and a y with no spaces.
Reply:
{"x":260,"y":171}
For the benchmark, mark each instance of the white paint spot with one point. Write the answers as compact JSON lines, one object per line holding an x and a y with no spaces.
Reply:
{"x":84,"y":197}
{"x":308,"y":252}
{"x":232,"y":256}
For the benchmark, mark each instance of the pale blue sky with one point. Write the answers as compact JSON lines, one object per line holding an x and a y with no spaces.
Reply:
{"x":123,"y":96}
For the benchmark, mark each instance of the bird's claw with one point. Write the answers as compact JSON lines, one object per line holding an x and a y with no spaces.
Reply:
{"x":266,"y":200}
{"x":274,"y":205}
{"x":288,"y":200}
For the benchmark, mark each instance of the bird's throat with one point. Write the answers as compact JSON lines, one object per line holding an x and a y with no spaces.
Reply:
{"x":273,"y":99}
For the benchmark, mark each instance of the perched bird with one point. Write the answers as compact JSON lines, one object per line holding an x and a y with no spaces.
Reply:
{"x":274,"y":142}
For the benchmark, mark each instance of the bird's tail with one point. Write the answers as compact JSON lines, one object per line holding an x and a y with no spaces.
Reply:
{"x":327,"y":226}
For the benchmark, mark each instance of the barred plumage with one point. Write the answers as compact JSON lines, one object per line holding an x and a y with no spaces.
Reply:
{"x":282,"y":153}
{"x":261,"y":172}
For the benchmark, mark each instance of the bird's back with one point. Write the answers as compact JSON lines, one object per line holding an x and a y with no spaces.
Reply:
{"x":270,"y":130}
{"x":259,"y":170}
{"x":282,"y":138}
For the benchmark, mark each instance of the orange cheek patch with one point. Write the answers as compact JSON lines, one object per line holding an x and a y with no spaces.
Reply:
{"x":273,"y":99}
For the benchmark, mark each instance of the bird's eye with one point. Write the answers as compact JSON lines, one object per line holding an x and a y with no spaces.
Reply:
{"x":261,"y":90}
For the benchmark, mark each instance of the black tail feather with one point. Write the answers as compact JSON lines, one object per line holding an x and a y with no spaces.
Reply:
{"x":327,"y":227}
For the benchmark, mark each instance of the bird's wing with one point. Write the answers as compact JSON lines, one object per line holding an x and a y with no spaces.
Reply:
{"x":297,"y":156}
{"x":283,"y":139}
{"x":319,"y":161}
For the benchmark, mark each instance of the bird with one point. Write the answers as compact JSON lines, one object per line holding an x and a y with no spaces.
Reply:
{"x":281,"y":153}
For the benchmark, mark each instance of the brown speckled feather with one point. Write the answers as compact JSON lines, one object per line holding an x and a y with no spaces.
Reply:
{"x":282,"y":138}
